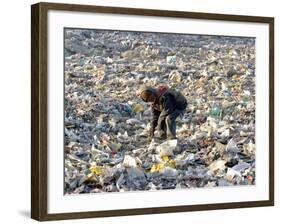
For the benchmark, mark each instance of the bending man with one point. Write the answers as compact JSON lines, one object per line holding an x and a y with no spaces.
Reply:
{"x":167,"y":104}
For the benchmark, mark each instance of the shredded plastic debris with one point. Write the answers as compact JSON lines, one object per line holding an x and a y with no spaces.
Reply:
{"x":107,"y":145}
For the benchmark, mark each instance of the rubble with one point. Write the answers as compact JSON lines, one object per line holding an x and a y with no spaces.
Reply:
{"x":107,"y":147}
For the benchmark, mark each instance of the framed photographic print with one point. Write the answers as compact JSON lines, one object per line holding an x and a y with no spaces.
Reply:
{"x":141,"y":111}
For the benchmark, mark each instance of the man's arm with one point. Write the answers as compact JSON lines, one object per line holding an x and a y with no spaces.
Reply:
{"x":155,"y":116}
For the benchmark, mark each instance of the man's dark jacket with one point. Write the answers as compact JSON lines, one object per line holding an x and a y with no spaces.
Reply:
{"x":168,"y":100}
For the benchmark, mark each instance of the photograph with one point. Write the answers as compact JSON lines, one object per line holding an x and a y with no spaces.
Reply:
{"x":140,"y":111}
{"x":155,"y":111}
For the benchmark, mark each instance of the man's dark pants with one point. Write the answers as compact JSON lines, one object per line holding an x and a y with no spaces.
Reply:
{"x":168,"y":126}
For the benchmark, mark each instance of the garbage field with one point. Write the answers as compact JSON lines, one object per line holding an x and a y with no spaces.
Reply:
{"x":107,"y":148}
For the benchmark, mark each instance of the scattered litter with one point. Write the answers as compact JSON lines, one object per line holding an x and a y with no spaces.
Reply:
{"x":241,"y":167}
{"x":232,"y":147}
{"x":129,"y":161}
{"x":230,"y":174}
{"x":107,"y":146}
{"x":136,"y":178}
{"x":167,"y":148}
{"x":98,"y":170}
{"x":217,"y":165}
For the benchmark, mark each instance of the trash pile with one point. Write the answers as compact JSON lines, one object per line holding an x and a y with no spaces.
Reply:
{"x":107,"y":148}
